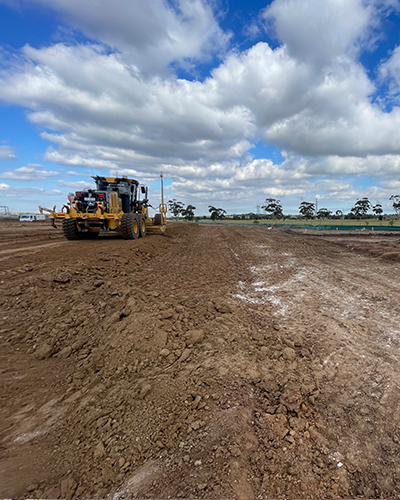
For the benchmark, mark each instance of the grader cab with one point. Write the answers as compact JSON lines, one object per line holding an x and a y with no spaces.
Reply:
{"x":117,"y":204}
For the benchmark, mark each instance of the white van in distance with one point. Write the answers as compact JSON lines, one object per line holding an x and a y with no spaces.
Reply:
{"x":31,"y":217}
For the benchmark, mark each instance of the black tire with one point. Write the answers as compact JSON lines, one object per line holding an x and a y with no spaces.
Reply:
{"x":70,"y":230}
{"x":142,"y":227}
{"x":157,"y":220}
{"x":130,"y":226}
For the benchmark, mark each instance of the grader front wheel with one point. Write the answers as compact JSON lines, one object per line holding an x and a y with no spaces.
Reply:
{"x":157,"y":220}
{"x":130,"y":226}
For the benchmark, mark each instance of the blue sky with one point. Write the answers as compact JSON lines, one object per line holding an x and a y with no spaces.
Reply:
{"x":234,"y":101}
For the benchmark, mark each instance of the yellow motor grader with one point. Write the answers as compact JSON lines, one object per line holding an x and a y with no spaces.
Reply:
{"x":115,"y":205}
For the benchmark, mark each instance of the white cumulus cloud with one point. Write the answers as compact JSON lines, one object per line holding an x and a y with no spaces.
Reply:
{"x":31,"y":172}
{"x":150,"y":35}
{"x":7,"y":153}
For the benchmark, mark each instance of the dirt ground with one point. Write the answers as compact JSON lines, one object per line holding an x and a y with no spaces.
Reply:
{"x":211,"y":362}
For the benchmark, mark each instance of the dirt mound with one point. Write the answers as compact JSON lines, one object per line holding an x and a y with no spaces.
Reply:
{"x":210,"y":362}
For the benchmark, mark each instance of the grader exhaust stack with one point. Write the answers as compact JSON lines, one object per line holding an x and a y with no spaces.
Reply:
{"x":117,"y":204}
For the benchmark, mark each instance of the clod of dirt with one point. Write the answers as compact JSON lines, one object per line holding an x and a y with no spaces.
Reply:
{"x":65,"y":353}
{"x":276,"y":427}
{"x":194,"y":337}
{"x":221,"y":306}
{"x":45,"y":351}
{"x":99,"y":450}
{"x":289,"y":353}
{"x":146,"y":388}
{"x":185,"y":355}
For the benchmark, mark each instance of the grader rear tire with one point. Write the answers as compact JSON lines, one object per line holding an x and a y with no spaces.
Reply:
{"x":130,"y":226}
{"x":70,"y":230}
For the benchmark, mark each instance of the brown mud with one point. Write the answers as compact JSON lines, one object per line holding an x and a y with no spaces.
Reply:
{"x":213,"y":361}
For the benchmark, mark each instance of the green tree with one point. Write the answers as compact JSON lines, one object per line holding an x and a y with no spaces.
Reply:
{"x":216,"y":213}
{"x":361,"y":207}
{"x":273,"y":207}
{"x":377,"y":209}
{"x":339,"y":214}
{"x":323,"y":213}
{"x":188,"y":212}
{"x":176,"y":207}
{"x":307,"y":209}
{"x":395,"y":199}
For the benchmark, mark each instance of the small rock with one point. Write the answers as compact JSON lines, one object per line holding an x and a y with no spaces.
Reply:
{"x":80,"y":375}
{"x":222,"y":307}
{"x":305,"y":352}
{"x":97,"y":359}
{"x":196,"y":402}
{"x":78,"y":345}
{"x":194,"y":337}
{"x":257,"y":336}
{"x":298,"y":340}
{"x":166,"y":314}
{"x":115,"y":317}
{"x":99,"y":452}
{"x":121,"y":462}
{"x":164,"y":353}
{"x":202,"y":486}
{"x":146,"y":388}
{"x":289,"y":353}
{"x":45,"y":351}
{"x":185,"y":355}
{"x":64,"y":353}
{"x":288,"y":342}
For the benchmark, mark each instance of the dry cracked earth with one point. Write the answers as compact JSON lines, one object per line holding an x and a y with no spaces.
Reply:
{"x":213,"y":361}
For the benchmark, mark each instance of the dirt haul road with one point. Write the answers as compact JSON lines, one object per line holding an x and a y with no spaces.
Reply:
{"x":213,"y":362}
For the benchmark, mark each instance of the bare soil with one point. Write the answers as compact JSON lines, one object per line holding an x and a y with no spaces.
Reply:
{"x":213,"y":361}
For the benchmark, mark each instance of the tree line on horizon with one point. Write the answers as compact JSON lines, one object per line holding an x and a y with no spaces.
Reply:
{"x":273,"y":210}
